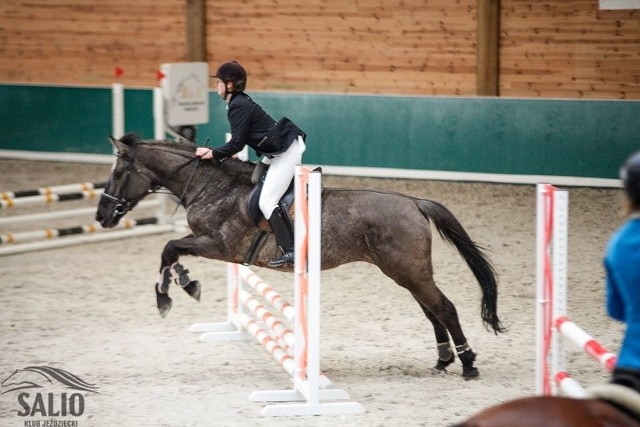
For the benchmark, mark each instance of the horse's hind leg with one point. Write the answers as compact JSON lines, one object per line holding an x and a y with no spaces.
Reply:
{"x":445,"y":352}
{"x":442,"y":309}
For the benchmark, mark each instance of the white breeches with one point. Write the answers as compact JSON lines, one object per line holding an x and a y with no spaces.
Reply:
{"x":281,"y":171}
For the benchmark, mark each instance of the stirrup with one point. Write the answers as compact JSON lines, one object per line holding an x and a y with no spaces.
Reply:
{"x":286,"y":259}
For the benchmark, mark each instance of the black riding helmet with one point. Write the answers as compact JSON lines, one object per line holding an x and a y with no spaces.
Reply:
{"x":630,"y":174}
{"x":232,"y":72}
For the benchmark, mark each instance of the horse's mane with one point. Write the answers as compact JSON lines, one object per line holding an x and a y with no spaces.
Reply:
{"x":237,"y":170}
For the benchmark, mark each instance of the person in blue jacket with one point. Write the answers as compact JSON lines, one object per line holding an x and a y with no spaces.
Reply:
{"x":622,"y":264}
{"x":281,"y":145}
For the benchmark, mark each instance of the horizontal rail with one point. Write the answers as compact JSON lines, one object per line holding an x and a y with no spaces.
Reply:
{"x":67,"y":213}
{"x":52,"y":233}
{"x":586,"y":342}
{"x":569,"y":386}
{"x":83,"y":239}
{"x":273,"y":297}
{"x":55,"y":189}
{"x":47,"y":199}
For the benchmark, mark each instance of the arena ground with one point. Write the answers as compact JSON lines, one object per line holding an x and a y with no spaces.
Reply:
{"x":91,"y":310}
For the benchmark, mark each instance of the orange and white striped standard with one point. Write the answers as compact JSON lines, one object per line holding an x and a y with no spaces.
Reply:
{"x":290,"y":333}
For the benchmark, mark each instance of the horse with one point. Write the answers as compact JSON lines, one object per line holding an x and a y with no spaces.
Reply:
{"x":606,"y":405}
{"x":387,"y":229}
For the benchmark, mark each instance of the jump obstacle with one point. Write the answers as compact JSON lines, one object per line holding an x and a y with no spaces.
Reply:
{"x":552,"y":323}
{"x":55,"y":237}
{"x":297,"y":350}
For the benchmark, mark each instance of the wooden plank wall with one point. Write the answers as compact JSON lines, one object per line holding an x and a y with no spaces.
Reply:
{"x":423,"y":47}
{"x":373,"y":46}
{"x":569,"y":49}
{"x":82,"y":41}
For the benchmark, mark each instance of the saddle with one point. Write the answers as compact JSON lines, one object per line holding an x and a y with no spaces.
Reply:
{"x":285,"y":203}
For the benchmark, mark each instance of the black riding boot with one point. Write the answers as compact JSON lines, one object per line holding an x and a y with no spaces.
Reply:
{"x":284,"y":236}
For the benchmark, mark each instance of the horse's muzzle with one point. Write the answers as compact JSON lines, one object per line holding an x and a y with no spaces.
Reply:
{"x":110,"y":210}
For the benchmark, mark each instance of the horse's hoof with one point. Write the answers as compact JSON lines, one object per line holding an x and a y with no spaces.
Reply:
{"x":470,"y":372}
{"x":164,"y":304}
{"x":442,"y":364}
{"x":194,"y":289}
{"x":438,"y":372}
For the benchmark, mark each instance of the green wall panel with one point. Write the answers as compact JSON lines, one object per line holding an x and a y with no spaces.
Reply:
{"x":483,"y":135}
{"x":67,"y":119}
{"x":511,"y":136}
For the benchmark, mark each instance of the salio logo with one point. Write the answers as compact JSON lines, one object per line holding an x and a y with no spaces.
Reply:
{"x":47,"y":392}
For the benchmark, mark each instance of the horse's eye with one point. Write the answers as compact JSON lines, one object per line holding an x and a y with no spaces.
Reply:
{"x":117,"y":174}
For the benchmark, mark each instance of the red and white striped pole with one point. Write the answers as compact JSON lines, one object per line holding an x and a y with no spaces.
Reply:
{"x":586,"y":342}
{"x":551,"y":321}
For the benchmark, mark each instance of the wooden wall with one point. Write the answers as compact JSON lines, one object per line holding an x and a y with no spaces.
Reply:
{"x":569,"y":49}
{"x":374,"y":46}
{"x":555,"y":48}
{"x":82,"y":41}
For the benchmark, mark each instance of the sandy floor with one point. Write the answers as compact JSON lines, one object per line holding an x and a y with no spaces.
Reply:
{"x":90,"y":310}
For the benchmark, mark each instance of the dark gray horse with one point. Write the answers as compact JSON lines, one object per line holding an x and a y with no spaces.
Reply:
{"x":387,"y":229}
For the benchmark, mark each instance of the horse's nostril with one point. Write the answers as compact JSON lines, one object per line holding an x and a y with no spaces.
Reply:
{"x":99,"y":217}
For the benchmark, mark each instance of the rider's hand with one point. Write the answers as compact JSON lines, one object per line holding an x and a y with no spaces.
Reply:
{"x":204,"y":153}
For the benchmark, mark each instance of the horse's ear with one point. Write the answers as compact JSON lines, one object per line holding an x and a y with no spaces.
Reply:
{"x":117,"y":144}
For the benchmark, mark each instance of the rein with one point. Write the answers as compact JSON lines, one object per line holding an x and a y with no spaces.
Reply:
{"x":186,"y":187}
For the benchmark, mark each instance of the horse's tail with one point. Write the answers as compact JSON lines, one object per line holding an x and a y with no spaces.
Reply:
{"x":454,"y":233}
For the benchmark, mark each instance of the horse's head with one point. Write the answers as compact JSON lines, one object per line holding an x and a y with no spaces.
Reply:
{"x":126,"y":186}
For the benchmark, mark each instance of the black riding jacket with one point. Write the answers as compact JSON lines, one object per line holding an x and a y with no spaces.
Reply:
{"x":252,"y":126}
{"x":249,"y":125}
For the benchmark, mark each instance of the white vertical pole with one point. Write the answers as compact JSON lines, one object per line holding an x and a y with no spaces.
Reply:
{"x":232,"y":293}
{"x":117,"y":90}
{"x":559,"y":294}
{"x":159,"y":133}
{"x":313,"y":271}
{"x":300,"y":271}
{"x":540,"y":293}
{"x":158,"y":114}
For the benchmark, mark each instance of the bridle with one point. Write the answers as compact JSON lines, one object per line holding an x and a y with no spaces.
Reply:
{"x":124,"y":204}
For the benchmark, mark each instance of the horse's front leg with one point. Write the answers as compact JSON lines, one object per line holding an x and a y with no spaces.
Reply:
{"x":170,"y":269}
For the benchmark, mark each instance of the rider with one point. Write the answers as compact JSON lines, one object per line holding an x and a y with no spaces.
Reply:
{"x":622,"y":263}
{"x":281,"y":144}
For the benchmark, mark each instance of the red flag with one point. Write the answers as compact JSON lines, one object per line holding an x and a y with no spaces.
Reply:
{"x":119,"y":72}
{"x":160,"y":75}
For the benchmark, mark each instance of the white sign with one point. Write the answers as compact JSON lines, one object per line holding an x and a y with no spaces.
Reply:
{"x":185,"y":86}
{"x":619,"y":4}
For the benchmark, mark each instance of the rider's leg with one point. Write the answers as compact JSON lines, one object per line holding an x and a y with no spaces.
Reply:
{"x":260,"y":168}
{"x":277,"y":181}
{"x":284,"y":236}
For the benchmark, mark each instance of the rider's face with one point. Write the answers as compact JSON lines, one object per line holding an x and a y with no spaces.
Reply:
{"x":220,"y":87}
